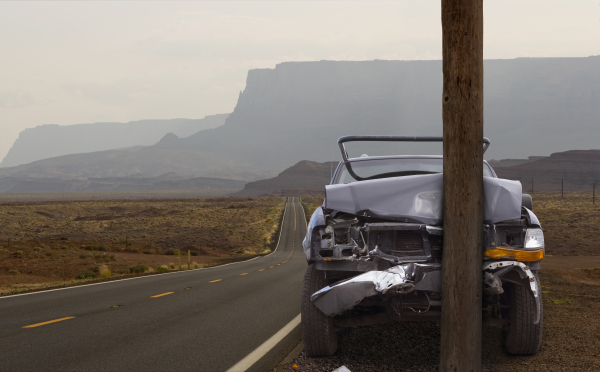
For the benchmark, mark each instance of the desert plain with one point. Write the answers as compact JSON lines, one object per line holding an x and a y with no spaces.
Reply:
{"x":55,"y":243}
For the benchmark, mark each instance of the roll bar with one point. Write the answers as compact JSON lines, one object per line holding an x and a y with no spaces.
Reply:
{"x":342,"y":140}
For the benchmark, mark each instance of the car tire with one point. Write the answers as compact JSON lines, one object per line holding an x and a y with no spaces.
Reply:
{"x":523,"y":337}
{"x":318,"y":333}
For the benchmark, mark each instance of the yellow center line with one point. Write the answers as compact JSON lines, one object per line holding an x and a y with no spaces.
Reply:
{"x":244,"y":274}
{"x":214,"y":281}
{"x":48,"y":322}
{"x":294,"y":214}
{"x":278,"y":264}
{"x":261,"y":270}
{"x":162,"y":294}
{"x":271,"y":267}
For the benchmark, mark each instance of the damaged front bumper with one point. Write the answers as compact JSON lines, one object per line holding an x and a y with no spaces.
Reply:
{"x":405,"y":278}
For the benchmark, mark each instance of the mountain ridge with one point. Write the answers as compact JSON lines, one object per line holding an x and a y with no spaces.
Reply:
{"x":298,"y":110}
{"x":52,"y":140}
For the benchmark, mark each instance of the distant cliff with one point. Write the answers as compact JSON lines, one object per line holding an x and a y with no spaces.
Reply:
{"x":511,"y":162}
{"x":305,"y":175}
{"x":579,"y":169}
{"x":298,"y":110}
{"x":50,"y":140}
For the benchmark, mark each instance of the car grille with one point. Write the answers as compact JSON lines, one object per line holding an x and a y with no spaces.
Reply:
{"x":435,"y":243}
{"x":408,"y":243}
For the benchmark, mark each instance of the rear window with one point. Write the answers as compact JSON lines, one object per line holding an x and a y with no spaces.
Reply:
{"x":385,"y":168}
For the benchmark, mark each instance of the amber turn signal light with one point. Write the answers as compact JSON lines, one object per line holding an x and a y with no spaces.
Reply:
{"x":519,"y":255}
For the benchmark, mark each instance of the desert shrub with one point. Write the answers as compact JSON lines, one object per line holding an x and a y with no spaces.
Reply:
{"x":172,"y":266}
{"x":171,"y":252}
{"x":194,"y":253}
{"x":162,"y":268}
{"x":83,"y":256}
{"x":112,"y":257}
{"x":2,"y":250}
{"x":35,"y":249}
{"x":64,"y":247}
{"x":137,"y":269}
{"x":104,"y":271}
{"x":48,"y":254}
{"x":102,"y":248}
{"x":64,"y":238}
{"x":195,"y":265}
{"x":86,"y":275}
{"x":17,"y":253}
{"x":89,"y":247}
{"x":13,"y":272}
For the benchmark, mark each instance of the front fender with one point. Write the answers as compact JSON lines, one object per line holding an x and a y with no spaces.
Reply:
{"x":316,"y":220}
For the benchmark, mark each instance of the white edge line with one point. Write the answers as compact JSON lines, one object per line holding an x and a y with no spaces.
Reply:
{"x":154,"y":275}
{"x":263,"y":349}
{"x":121,"y":280}
{"x":280,"y":229}
{"x":304,"y":213}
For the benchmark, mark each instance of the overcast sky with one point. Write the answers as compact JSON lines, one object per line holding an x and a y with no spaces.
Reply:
{"x":80,"y":62}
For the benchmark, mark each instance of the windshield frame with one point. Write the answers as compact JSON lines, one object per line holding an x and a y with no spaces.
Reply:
{"x":338,"y":169}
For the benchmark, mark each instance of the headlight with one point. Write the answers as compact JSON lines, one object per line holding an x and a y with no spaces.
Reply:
{"x":534,"y":238}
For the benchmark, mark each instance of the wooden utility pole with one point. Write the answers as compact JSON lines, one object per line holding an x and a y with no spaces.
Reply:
{"x":462,"y":100}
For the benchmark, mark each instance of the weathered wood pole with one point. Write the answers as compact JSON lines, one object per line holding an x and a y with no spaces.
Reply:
{"x":462,"y":100}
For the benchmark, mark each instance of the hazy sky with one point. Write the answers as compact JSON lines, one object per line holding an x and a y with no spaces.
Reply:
{"x":79,"y":62}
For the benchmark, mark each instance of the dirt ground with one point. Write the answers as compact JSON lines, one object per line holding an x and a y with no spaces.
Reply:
{"x":571,"y":223}
{"x":570,"y":279}
{"x":45,"y":243}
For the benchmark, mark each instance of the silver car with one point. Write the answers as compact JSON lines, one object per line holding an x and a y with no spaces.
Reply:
{"x":374,"y":250}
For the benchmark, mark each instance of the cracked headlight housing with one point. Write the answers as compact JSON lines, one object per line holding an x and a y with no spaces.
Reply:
{"x":534,"y":239}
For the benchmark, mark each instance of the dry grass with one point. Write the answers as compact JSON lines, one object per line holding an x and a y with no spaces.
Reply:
{"x":571,"y":224}
{"x":310,"y":203}
{"x":43,"y":242}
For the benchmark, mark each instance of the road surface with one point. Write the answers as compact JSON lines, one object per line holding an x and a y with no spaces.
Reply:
{"x":204,"y":320}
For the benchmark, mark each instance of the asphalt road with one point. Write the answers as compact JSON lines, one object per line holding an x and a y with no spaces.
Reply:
{"x":204,"y":320}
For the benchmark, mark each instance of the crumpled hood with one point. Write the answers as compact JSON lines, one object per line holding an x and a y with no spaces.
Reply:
{"x":420,"y":198}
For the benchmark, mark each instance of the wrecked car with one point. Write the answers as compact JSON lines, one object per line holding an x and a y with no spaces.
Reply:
{"x":374,"y":250}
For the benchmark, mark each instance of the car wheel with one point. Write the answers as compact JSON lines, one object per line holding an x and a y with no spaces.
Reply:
{"x":523,"y":337}
{"x":318,"y":333}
